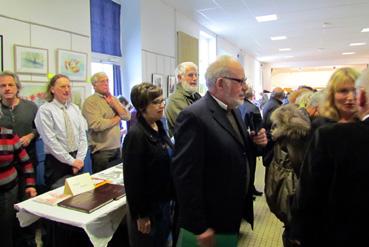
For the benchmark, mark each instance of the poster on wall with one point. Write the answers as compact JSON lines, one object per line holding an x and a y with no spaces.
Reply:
{"x":34,"y":91}
{"x":171,"y":84}
{"x":1,"y":54}
{"x":72,"y":64}
{"x":157,"y":79}
{"x":31,"y":60}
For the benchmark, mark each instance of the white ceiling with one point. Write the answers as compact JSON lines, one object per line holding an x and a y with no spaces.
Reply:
{"x":318,"y":31}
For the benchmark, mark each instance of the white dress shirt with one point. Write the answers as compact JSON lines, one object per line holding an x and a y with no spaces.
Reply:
{"x":50,"y":125}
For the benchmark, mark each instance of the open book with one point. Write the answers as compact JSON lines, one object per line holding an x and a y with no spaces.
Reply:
{"x":51,"y":198}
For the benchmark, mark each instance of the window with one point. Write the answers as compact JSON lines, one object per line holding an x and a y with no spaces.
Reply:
{"x":207,"y":55}
{"x":108,"y":69}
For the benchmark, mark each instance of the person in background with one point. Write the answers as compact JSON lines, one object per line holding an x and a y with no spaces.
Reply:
{"x":103,"y":113}
{"x":63,"y":131}
{"x":332,"y":197}
{"x":271,"y":105}
{"x":251,"y":115}
{"x":12,"y":154}
{"x":147,"y":178}
{"x":19,"y":114}
{"x":210,"y":164}
{"x":185,"y":93}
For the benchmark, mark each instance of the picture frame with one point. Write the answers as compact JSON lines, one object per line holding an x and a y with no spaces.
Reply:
{"x":157,"y":79}
{"x":1,"y":54}
{"x":79,"y":94}
{"x":34,"y":91}
{"x":171,"y":84}
{"x":72,"y":64}
{"x":31,"y":60}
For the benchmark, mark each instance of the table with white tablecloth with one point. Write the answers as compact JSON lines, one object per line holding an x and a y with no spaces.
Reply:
{"x":99,"y":225}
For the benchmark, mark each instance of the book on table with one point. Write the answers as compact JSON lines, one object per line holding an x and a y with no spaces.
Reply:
{"x":51,"y":198}
{"x":92,"y":200}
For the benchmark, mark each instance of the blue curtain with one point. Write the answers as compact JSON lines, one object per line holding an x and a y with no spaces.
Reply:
{"x":105,"y":27}
{"x":117,"y":80}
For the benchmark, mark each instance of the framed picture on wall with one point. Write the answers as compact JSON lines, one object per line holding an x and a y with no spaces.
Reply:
{"x":31,"y":60}
{"x":78,"y":94}
{"x":157,"y":79}
{"x":34,"y":91}
{"x":171,"y":84}
{"x":1,"y":54}
{"x":72,"y":64}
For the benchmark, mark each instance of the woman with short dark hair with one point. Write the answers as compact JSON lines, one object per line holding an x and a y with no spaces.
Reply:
{"x":146,"y":159}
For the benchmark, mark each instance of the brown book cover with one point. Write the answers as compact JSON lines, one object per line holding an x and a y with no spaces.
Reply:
{"x":92,"y":200}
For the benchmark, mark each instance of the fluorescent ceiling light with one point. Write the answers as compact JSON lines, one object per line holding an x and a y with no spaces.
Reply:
{"x":365,"y":30}
{"x":278,"y":37}
{"x":284,"y":49}
{"x":357,"y":44}
{"x":288,"y":56}
{"x":265,"y":18}
{"x":348,"y":53}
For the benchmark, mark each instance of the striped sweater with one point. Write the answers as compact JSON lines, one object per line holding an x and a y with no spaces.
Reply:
{"x":13,"y":155}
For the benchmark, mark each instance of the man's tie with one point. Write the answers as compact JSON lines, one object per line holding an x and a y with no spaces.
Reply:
{"x":71,"y":144}
{"x":234,"y":125}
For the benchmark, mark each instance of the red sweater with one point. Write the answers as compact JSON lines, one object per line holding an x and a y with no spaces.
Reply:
{"x":13,"y":155}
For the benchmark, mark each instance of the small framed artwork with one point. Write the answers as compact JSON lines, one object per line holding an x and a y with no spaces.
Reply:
{"x":78,"y":94}
{"x":157,"y":79}
{"x":72,"y":64}
{"x":171,"y":84}
{"x":34,"y":91}
{"x":31,"y":60}
{"x":1,"y":54}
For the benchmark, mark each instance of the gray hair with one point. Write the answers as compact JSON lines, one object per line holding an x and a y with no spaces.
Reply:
{"x":181,"y":69}
{"x":15,"y":77}
{"x":363,"y":82}
{"x":95,"y":77}
{"x":218,"y":69}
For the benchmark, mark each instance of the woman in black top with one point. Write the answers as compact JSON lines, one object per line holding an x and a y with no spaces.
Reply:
{"x":146,"y":159}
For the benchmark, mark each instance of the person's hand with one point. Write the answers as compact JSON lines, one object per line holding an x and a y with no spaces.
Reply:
{"x":144,"y":225}
{"x":109,"y":99}
{"x":77,"y":165}
{"x":294,"y":242}
{"x":261,"y":138}
{"x":30,"y":192}
{"x":207,"y":238}
{"x":26,"y":140}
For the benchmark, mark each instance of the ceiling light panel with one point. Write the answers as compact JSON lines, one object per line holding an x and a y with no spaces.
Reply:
{"x":365,"y":30}
{"x":265,"y":18}
{"x":284,"y":49}
{"x":348,"y":53}
{"x":278,"y":37}
{"x":358,"y":44}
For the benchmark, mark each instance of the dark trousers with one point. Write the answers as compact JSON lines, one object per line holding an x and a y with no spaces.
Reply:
{"x":104,"y":159}
{"x":7,"y":216}
{"x":56,"y":171}
{"x":160,"y":228}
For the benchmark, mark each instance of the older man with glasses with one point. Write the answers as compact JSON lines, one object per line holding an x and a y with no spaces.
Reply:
{"x":185,"y":93}
{"x":211,"y":158}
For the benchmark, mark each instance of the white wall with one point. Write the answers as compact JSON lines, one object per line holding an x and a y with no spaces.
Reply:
{"x":49,"y":24}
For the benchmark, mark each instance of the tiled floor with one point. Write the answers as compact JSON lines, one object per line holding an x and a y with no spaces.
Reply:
{"x":267,"y":228}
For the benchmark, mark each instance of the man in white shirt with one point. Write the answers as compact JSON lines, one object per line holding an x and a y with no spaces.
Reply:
{"x":63,"y":131}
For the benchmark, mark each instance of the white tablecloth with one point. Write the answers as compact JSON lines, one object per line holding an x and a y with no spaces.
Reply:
{"x":99,"y":225}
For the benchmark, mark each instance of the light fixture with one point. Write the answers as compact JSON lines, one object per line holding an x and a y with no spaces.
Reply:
{"x":265,"y":18}
{"x":365,"y":30}
{"x":357,"y":44}
{"x":278,"y":37}
{"x":284,"y":49}
{"x":288,"y":56}
{"x":348,"y":53}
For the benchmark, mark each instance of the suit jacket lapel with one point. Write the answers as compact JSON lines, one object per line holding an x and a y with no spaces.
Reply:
{"x":220,"y":117}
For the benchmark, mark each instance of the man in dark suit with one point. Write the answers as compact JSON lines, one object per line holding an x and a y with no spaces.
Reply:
{"x":253,"y":121}
{"x":210,"y":162}
{"x":332,"y":197}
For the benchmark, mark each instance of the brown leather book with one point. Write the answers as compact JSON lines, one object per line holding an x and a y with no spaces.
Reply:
{"x":92,"y":200}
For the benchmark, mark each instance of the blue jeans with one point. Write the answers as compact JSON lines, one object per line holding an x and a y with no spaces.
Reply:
{"x":160,"y":228}
{"x":7,"y":216}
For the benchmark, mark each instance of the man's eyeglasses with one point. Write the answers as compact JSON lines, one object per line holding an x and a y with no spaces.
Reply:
{"x":240,"y":81}
{"x":193,"y":75}
{"x":158,"y":101}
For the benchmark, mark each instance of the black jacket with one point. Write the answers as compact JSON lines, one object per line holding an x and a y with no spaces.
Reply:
{"x":146,"y":167}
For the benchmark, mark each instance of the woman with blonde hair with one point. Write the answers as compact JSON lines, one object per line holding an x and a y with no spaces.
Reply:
{"x":339,"y":104}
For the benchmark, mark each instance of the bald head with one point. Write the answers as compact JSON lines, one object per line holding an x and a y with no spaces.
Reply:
{"x":278,"y":93}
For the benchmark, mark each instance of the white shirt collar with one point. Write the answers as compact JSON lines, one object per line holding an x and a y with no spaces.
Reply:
{"x":220,"y":103}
